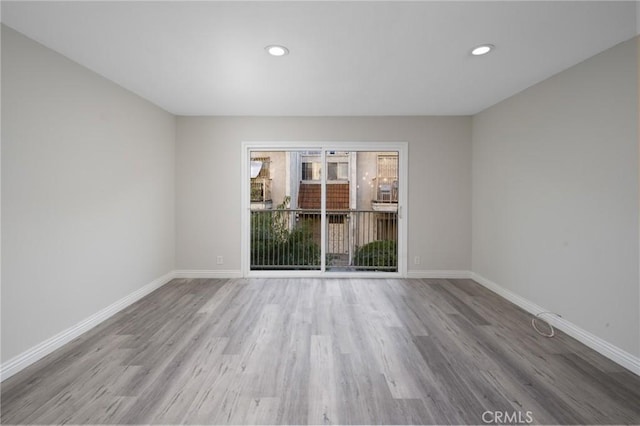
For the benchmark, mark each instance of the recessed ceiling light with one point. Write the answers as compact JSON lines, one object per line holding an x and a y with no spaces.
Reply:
{"x":275,"y":50}
{"x":482,"y":49}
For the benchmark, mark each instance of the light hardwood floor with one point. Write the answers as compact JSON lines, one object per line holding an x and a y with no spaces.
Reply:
{"x":320,"y":351}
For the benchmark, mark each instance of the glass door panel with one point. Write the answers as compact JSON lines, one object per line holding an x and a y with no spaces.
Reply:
{"x":285,"y":212}
{"x":361,"y":218}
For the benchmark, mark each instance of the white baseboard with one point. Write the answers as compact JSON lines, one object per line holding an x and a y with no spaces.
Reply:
{"x":605,"y":348}
{"x":435,"y":273}
{"x":205,"y":273}
{"x":39,"y":351}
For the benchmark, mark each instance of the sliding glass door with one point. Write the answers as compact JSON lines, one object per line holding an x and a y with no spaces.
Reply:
{"x":320,"y":210}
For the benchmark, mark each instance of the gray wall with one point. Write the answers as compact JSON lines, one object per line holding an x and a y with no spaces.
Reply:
{"x":555,"y":195}
{"x":208,"y":152}
{"x":87,"y":193}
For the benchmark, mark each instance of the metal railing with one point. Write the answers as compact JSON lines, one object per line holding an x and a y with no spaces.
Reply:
{"x":356,"y":240}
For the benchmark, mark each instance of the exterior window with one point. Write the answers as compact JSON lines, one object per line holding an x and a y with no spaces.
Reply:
{"x":261,"y":184}
{"x":388,"y":167}
{"x":387,"y":179}
{"x":338,"y":171}
{"x":337,"y":168}
{"x":311,"y":170}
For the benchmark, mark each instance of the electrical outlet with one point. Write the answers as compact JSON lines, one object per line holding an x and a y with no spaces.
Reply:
{"x":219,"y":260}
{"x":416,"y":260}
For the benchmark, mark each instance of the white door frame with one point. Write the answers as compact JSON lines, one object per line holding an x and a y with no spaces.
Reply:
{"x":403,"y":176}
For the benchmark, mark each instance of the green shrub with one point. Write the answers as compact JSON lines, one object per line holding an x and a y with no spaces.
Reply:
{"x":383,"y":253}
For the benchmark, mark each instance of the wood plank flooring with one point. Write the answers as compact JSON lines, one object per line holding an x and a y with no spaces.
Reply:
{"x":321,"y":351}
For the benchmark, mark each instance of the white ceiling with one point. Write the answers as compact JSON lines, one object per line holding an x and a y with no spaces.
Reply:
{"x":347,"y":58}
